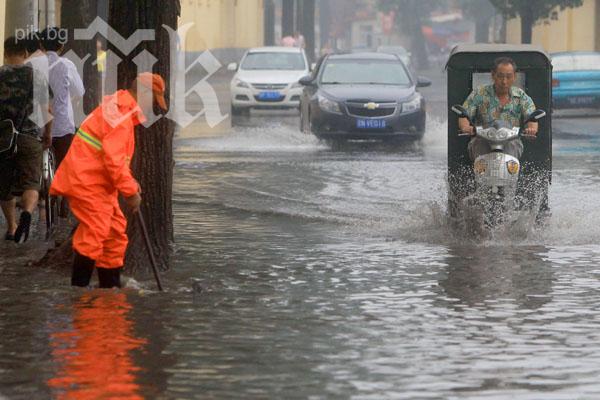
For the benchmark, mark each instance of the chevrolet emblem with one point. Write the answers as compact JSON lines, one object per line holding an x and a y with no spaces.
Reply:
{"x":371,"y":106}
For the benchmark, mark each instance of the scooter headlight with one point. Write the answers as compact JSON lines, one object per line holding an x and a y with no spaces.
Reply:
{"x":480,"y":167}
{"x":512,"y":167}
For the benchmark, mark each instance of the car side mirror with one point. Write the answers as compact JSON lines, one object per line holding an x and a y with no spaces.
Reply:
{"x":232,"y":67}
{"x":306,"y":81}
{"x":536,"y":115}
{"x":423,"y":82}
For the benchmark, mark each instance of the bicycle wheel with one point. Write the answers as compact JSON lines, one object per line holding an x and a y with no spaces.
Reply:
{"x":50,"y":202}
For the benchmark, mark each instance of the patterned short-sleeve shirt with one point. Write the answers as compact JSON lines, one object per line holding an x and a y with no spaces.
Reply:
{"x":484,"y":106}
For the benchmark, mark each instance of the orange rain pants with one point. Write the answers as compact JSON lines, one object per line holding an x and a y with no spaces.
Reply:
{"x":94,"y":172}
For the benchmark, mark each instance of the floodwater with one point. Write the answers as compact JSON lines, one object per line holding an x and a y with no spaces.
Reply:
{"x":306,"y":272}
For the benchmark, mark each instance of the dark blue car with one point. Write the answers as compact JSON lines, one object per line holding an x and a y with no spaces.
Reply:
{"x":576,"y":80}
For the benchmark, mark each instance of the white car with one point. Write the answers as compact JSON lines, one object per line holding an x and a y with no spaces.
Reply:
{"x":267,"y":78}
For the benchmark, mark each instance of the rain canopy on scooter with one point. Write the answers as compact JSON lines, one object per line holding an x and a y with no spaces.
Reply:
{"x":469,"y":66}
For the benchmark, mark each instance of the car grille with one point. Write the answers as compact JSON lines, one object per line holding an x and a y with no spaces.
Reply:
{"x":269,"y":86}
{"x":383,"y":110}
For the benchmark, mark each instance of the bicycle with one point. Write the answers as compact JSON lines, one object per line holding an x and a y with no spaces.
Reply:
{"x":51,"y":203}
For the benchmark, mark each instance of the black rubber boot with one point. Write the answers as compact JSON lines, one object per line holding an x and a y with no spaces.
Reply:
{"x":22,"y":232}
{"x":83,"y":268}
{"x":109,"y":277}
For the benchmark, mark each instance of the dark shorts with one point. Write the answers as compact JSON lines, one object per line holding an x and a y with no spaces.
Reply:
{"x":23,"y":171}
{"x":61,"y":146}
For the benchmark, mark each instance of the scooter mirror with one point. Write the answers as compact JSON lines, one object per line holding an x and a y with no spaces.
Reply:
{"x":536,"y":115}
{"x":460,"y":111}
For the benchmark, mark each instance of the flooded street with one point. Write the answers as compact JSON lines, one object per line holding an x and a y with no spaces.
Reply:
{"x":308,"y":272}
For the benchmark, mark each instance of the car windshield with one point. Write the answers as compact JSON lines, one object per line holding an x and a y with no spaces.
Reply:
{"x":274,"y":61}
{"x":362,"y":72}
{"x":576,"y":62}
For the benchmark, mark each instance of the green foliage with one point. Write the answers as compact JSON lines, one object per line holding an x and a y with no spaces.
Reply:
{"x":539,"y":9}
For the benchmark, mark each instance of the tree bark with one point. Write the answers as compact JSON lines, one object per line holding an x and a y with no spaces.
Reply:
{"x":482,"y":31}
{"x":153,"y":162}
{"x":526,"y":23}
{"x":324,"y":23}
{"x":308,"y":28}
{"x":287,"y":18}
{"x":414,"y":20}
{"x":269,"y":10}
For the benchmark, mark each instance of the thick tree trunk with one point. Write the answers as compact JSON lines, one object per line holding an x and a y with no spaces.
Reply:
{"x":153,"y":161}
{"x":482,"y":31}
{"x":287,"y":18}
{"x":269,"y":9}
{"x":308,"y":28}
{"x":414,"y":20}
{"x":324,"y":22}
{"x":526,"y":24}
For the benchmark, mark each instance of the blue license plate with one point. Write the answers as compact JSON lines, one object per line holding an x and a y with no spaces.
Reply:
{"x":370,"y":123}
{"x":269,"y":96}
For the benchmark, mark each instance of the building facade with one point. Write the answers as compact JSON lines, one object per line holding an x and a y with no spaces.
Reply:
{"x":576,"y":29}
{"x":225,"y":27}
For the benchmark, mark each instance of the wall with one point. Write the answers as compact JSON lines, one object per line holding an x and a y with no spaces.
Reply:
{"x":225,"y":27}
{"x":575,"y":30}
{"x":2,"y":23}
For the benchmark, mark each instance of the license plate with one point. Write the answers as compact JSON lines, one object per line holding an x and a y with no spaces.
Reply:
{"x":581,"y":101}
{"x":269,"y":96}
{"x":370,"y":123}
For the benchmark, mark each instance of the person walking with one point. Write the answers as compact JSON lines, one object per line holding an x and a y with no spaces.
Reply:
{"x":96,"y":170}
{"x":20,"y":171}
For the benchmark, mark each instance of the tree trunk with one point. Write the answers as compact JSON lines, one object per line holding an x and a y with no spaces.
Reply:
{"x":482,"y":31}
{"x":526,"y":23}
{"x":287,"y":18}
{"x":325,"y":23}
{"x":308,"y":28}
{"x":153,"y":161}
{"x":80,"y":14}
{"x":269,"y":23}
{"x":414,"y":20}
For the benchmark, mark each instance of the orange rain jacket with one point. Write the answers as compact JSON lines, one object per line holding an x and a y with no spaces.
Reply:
{"x":95,"y":170}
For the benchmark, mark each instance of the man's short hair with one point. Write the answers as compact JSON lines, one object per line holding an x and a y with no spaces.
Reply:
{"x":503,"y":61}
{"x":53,"y":39}
{"x":33,"y":42}
{"x":15,"y":47}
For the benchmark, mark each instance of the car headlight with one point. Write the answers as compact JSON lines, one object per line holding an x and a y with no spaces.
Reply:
{"x":329,"y":105}
{"x":412,"y":105}
{"x":241,"y":84}
{"x":296,"y":85}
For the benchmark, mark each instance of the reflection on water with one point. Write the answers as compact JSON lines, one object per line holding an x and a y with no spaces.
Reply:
{"x":480,"y":275}
{"x":94,"y":354}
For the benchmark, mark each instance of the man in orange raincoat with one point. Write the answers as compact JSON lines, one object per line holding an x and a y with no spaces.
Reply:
{"x":96,"y":170}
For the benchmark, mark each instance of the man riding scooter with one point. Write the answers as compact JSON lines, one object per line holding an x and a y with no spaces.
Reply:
{"x":500,"y":101}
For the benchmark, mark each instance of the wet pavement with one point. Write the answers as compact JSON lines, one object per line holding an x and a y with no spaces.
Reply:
{"x":306,"y":272}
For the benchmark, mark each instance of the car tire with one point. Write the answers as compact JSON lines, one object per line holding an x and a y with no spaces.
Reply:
{"x":238,"y":111}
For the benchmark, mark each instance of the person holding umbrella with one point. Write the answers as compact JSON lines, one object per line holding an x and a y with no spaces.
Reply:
{"x":96,"y":170}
